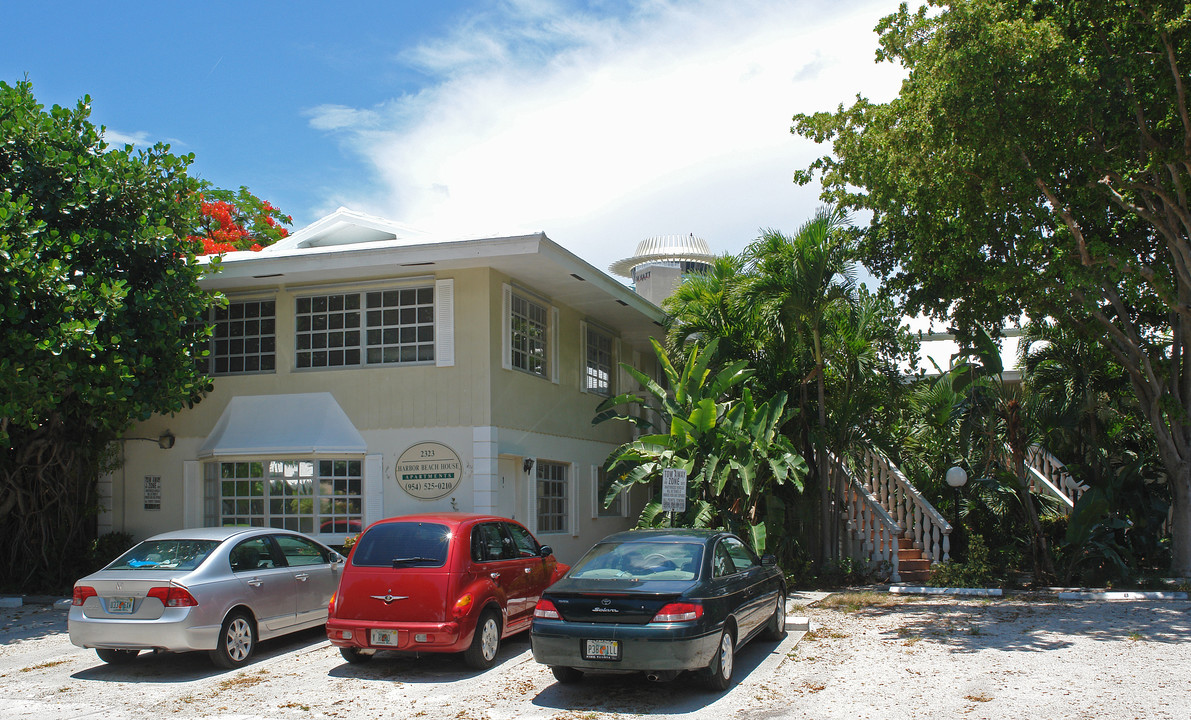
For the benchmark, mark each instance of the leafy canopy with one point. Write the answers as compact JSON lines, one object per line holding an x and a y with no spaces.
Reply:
{"x":97,"y":278}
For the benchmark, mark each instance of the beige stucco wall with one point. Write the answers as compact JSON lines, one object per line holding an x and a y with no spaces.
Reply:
{"x":396,"y":407}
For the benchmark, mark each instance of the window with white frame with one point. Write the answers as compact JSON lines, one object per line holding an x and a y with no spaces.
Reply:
{"x":528,"y":326}
{"x":598,"y":374}
{"x":552,"y":497}
{"x":243,"y":338}
{"x":311,"y":495}
{"x":383,"y":327}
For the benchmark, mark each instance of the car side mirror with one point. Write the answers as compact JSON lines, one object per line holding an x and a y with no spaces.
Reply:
{"x":768,"y":560}
{"x":337,"y":559}
{"x":546,"y":551}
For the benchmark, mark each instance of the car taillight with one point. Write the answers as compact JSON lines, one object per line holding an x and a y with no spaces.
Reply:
{"x":462,"y":606}
{"x":678,"y":612}
{"x":546,"y":610}
{"x":81,"y":593}
{"x":173,"y":596}
{"x":331,"y":606}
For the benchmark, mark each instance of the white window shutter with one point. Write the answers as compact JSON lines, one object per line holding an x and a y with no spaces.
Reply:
{"x":583,"y":356}
{"x":614,"y":384}
{"x":554,"y":363}
{"x":573,"y":482}
{"x":506,"y":350}
{"x":444,"y":322}
{"x":595,"y":492}
{"x":374,"y":488}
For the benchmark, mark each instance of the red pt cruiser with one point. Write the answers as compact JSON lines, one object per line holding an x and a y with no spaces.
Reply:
{"x":439,"y":582}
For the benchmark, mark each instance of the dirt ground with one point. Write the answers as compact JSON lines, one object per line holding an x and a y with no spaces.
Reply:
{"x":884,"y":657}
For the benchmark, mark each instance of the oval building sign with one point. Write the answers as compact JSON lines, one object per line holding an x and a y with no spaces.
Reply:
{"x":429,"y":471}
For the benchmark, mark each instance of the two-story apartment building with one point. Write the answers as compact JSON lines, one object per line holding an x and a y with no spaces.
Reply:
{"x":364,"y":371}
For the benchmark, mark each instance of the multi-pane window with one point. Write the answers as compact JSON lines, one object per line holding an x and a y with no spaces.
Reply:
{"x":598,"y":376}
{"x":243,"y":338}
{"x":552,"y":497}
{"x":328,"y":330}
{"x":305,"y":495}
{"x":373,"y":328}
{"x":401,"y":326}
{"x":528,"y":342}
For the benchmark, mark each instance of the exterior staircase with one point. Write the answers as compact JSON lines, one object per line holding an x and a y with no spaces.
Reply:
{"x":887,"y":521}
{"x":913,"y":565}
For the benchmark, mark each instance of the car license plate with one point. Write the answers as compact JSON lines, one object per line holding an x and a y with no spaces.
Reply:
{"x":386,"y":637}
{"x":120,"y":605}
{"x":601,"y":650}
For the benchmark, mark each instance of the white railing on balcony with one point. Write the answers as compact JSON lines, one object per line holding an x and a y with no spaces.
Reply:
{"x":920,"y":521}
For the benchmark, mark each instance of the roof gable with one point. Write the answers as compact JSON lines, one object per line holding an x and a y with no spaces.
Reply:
{"x":346,"y":227}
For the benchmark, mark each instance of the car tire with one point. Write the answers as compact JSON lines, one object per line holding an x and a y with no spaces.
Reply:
{"x":354,"y":656}
{"x":237,"y":641}
{"x":720,"y":670}
{"x":566,"y":675}
{"x":775,"y":629}
{"x":485,"y":643}
{"x":116,"y":657}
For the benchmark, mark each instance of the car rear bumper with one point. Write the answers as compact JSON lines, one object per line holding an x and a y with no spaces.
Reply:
{"x":642,"y":647}
{"x":175,"y":631}
{"x":420,"y":637}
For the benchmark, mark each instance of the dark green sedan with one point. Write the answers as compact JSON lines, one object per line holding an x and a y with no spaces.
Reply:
{"x":659,"y":602}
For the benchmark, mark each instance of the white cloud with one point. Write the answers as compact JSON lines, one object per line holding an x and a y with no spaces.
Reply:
{"x":115,"y":138}
{"x":602,"y":131}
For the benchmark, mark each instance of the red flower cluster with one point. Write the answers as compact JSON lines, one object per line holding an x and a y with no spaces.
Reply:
{"x":247,"y":224}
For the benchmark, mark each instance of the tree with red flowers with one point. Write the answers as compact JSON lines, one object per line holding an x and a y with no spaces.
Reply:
{"x":232,"y":221}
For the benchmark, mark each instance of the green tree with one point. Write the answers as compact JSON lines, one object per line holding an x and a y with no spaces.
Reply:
{"x":97,"y":286}
{"x":732,"y":449}
{"x":795,"y":283}
{"x":1037,"y":159}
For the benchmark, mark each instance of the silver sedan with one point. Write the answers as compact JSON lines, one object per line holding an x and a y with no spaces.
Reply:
{"x":216,"y":589}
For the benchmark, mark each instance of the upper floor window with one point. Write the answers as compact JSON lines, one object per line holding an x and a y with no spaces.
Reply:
{"x":374,"y":328}
{"x":598,"y":374}
{"x":528,"y":325}
{"x":243,"y":338}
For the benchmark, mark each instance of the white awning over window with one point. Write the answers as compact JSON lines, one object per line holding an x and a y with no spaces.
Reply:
{"x":308,"y":423}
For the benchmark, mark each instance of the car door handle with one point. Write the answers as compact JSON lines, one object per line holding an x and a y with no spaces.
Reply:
{"x":303,"y":577}
{"x":494,"y":576}
{"x":528,"y":571}
{"x":254,"y":582}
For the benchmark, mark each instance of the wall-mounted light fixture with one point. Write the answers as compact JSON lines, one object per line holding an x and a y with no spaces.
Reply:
{"x":165,"y":441}
{"x":527,"y":465}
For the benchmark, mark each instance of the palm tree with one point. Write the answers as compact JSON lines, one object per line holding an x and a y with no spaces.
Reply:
{"x":795,"y":281}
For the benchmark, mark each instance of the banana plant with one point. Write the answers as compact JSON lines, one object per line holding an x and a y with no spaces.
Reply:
{"x":731,"y":447}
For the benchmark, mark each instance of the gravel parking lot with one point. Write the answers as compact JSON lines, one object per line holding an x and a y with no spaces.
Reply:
{"x":888,"y":657}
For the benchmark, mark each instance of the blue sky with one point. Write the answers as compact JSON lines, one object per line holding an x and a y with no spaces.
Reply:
{"x":600,"y":123}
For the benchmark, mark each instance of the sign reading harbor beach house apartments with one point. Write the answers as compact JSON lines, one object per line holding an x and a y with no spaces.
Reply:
{"x":429,"y":471}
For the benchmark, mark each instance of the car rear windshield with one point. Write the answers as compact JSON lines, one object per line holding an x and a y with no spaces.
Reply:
{"x":403,"y":544}
{"x":641,"y":560}
{"x":165,"y":555}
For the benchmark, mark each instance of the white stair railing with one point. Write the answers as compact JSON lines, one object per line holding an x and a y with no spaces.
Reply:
{"x":870,"y":531}
{"x":1048,"y":474}
{"x":922,"y":523}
